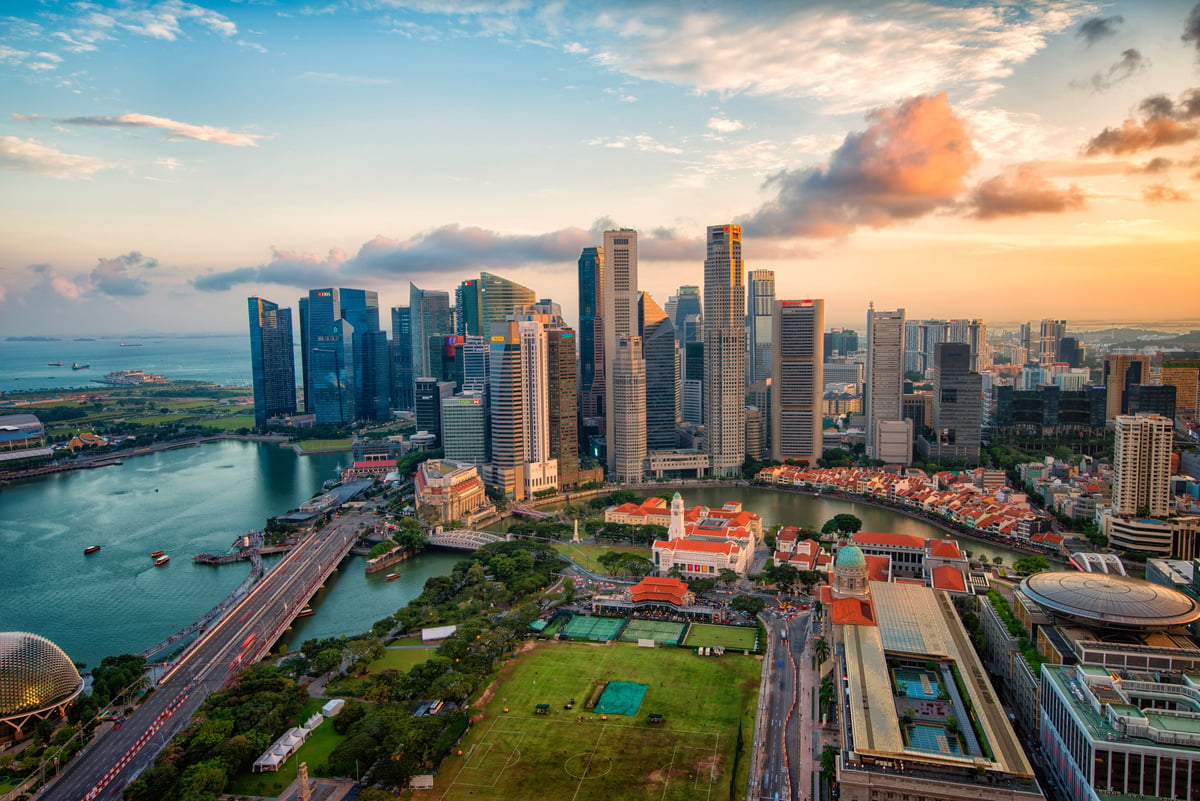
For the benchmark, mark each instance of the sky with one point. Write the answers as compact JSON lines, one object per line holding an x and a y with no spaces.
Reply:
{"x":162,"y":161}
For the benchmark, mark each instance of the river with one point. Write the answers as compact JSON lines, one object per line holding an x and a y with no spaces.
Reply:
{"x":184,"y":502}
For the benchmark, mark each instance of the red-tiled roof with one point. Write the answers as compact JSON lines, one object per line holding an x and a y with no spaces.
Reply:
{"x":878,"y":567}
{"x":946,"y":549}
{"x":889,"y":540}
{"x":852,"y":612}
{"x":787,"y":534}
{"x":667,"y":590}
{"x":947,"y":577}
{"x":686,"y":544}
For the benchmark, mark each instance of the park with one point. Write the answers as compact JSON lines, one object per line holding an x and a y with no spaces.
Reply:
{"x":607,"y":722}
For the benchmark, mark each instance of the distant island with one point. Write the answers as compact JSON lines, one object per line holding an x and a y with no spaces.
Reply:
{"x":85,"y":339}
{"x":32,"y":339}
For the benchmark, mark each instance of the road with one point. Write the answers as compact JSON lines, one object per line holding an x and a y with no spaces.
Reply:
{"x":238,"y":638}
{"x":785,"y":769}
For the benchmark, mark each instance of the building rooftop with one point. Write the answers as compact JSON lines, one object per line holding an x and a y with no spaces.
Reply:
{"x":1110,"y":601}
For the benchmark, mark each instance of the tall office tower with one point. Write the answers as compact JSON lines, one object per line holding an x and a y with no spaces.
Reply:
{"x":957,"y":406}
{"x":798,"y":386}
{"x":912,"y":347}
{"x":475,"y":364}
{"x":498,"y":296}
{"x":564,"y":402}
{"x":840,"y":341}
{"x":430,"y":315}
{"x":1182,"y":371}
{"x":758,"y":395}
{"x":331,"y":372}
{"x":429,"y":393}
{"x":933,"y":333}
{"x":465,"y":428}
{"x":974,"y":334}
{"x":1050,"y":337}
{"x":620,"y":314}
{"x":691,"y":384}
{"x":1122,"y":371}
{"x":506,"y":411}
{"x":1070,"y":351}
{"x":373,"y":375}
{"x":627,"y":410}
{"x":1157,"y":399}
{"x":402,"y":351}
{"x":725,"y":349}
{"x":468,"y":306}
{"x":884,"y":390}
{"x":1142,"y":466}
{"x":686,"y":314}
{"x":591,"y":332}
{"x":447,"y":359}
{"x":272,"y":361}
{"x":760,"y":300}
{"x":662,"y":375}
{"x":335,"y":339}
{"x":1026,"y":342}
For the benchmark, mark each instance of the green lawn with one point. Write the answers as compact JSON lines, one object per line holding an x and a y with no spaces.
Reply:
{"x":707,"y":635}
{"x":688,"y":757}
{"x":401,"y":659}
{"x":315,"y":752}
{"x":319,"y":445}
{"x":585,"y":554}
{"x":229,"y":423}
{"x":158,"y":419}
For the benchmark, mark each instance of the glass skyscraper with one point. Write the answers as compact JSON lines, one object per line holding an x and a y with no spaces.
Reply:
{"x":272,"y":361}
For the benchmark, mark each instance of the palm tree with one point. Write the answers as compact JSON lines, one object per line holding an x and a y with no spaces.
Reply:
{"x":821,"y":649}
{"x":828,"y":761}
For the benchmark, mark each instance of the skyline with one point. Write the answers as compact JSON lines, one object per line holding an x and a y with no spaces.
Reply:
{"x":165,"y":160}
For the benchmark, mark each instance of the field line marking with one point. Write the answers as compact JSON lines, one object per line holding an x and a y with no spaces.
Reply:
{"x":595,"y":746}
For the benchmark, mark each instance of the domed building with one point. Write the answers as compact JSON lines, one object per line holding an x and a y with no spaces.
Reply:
{"x":37,"y":681}
{"x":1110,"y":602}
{"x":850,"y":572}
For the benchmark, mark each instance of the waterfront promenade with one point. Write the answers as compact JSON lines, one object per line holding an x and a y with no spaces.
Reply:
{"x":240,"y":637}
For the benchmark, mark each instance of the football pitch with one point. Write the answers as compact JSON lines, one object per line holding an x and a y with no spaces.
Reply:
{"x":578,"y":754}
{"x":709,"y":635}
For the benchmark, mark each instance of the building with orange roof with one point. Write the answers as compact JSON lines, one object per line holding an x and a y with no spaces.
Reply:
{"x":702,"y":542}
{"x":662,"y":590}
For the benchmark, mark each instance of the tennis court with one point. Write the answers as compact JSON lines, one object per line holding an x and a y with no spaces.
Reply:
{"x":663,"y":632}
{"x":595,"y":629}
{"x":621,"y":698}
{"x":708,"y":635}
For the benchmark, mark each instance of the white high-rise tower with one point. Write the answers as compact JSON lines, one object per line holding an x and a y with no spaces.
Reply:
{"x":725,"y":349}
{"x":884,"y":389}
{"x":625,"y":417}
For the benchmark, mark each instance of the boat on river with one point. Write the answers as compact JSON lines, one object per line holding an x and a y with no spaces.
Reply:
{"x":78,"y":366}
{"x":391,"y":577}
{"x":91,"y":549}
{"x":162,"y":560}
{"x":305,"y":611}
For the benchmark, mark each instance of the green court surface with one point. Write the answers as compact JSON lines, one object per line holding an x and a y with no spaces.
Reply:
{"x":513,"y":752}
{"x":663,"y":632}
{"x":708,"y":635}
{"x":621,"y":698}
{"x":595,"y":629}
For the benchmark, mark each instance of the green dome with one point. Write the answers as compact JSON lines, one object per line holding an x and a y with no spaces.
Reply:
{"x":850,"y":555}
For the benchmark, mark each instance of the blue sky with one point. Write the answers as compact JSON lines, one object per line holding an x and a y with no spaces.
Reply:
{"x":163,"y":160}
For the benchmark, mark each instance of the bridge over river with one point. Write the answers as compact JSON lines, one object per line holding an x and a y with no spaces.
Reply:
{"x":243,"y":634}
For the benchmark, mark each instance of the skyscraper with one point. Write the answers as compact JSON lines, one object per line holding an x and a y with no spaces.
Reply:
{"x":1142,"y":462}
{"x":691,"y":384}
{"x":498,"y":296}
{"x":662,"y":375}
{"x":957,"y":406}
{"x":620,"y":321}
{"x":564,"y":405}
{"x":402,"y":350}
{"x":1050,"y":337}
{"x":725,"y":349}
{"x":686,"y":314}
{"x":884,"y":379}
{"x":591,"y":333}
{"x":272,"y":360}
{"x":345,"y":355}
{"x":331,"y":372}
{"x":1121,"y":372}
{"x":429,"y":311}
{"x":469,"y":307}
{"x":973,"y":333}
{"x":798,"y":383}
{"x":429,"y":394}
{"x":760,"y":302}
{"x":1182,"y":371}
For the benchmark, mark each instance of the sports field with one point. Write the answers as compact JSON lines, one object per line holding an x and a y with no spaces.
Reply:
{"x":596,"y":629}
{"x":663,"y":632}
{"x":707,"y":635}
{"x":690,"y":756}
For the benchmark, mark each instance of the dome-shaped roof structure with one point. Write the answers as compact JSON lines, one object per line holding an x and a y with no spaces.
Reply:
{"x":1110,"y":601}
{"x":850,"y":555}
{"x":35,"y":674}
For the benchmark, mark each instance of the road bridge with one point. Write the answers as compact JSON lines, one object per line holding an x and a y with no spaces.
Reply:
{"x":236,"y":639}
{"x":463,"y":539}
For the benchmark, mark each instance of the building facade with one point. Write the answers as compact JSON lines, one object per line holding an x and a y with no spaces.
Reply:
{"x":760,"y":304}
{"x":620,"y":321}
{"x":725,"y":349}
{"x":884,"y":379}
{"x":591,"y":332}
{"x":1142,"y":462}
{"x":798,"y":387}
{"x":272,"y":360}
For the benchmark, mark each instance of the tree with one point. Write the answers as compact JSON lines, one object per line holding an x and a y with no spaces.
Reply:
{"x":748,"y":604}
{"x":997,"y":560}
{"x":842,"y":524}
{"x":821,"y":649}
{"x":1031,"y":564}
{"x":828,"y":761}
{"x":728,"y":576}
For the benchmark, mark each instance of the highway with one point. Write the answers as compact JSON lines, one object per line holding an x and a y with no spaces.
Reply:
{"x":242,"y":635}
{"x":784,"y":766}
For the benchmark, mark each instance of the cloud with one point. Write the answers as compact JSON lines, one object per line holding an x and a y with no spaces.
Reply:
{"x":910,"y":161}
{"x":334,"y":77}
{"x":1164,"y":122}
{"x":1097,"y":28}
{"x":722,"y":125}
{"x":1191,"y":28}
{"x":115,"y":277}
{"x":173,"y":128}
{"x":1019,"y":190}
{"x":35,"y":61}
{"x":429,"y":255}
{"x":574,"y":48}
{"x":1132,"y":62}
{"x":849,"y":56}
{"x":1154,"y":165}
{"x":60,"y":285}
{"x":164,"y":21}
{"x":28,"y":155}
{"x":641,"y":142}
{"x":1162,"y":193}
{"x":27,"y":117}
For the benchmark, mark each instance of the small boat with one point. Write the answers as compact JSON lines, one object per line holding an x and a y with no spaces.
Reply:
{"x":91,"y":549}
{"x":162,"y":560}
{"x":54,"y":364}
{"x":156,"y":554}
{"x":391,"y":576}
{"x":78,"y":366}
{"x":305,"y":611}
